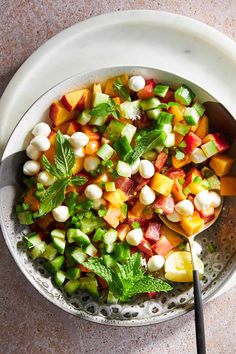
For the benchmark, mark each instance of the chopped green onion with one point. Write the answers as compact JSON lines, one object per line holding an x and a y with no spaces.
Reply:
{"x":123,"y":147}
{"x":191,"y":116}
{"x":179,"y":155}
{"x":110,"y":186}
{"x":197,"y":179}
{"x":40,"y":187}
{"x":102,"y":212}
{"x":105,"y":152}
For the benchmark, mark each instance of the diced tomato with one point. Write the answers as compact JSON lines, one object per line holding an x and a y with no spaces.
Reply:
{"x":146,"y":92}
{"x":145,"y":247}
{"x":169,"y":97}
{"x":207,"y":214}
{"x":192,"y":142}
{"x":220,"y":141}
{"x":175,"y":173}
{"x":150,"y":82}
{"x":152,"y":294}
{"x":84,"y":269}
{"x":165,"y":203}
{"x":125,"y":184}
{"x":160,"y":161}
{"x":153,"y":231}
{"x":162,"y":246}
{"x":142,"y":221}
{"x":140,"y":181}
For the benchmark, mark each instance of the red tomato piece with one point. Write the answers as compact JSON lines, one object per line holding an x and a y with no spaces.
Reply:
{"x":160,"y":161}
{"x":140,"y":182}
{"x":167,"y":204}
{"x":192,"y":142}
{"x":146,"y":92}
{"x":145,"y":247}
{"x":175,"y":173}
{"x":150,"y":82}
{"x":125,"y":184}
{"x":169,"y":97}
{"x":220,"y":141}
{"x":162,"y":246}
{"x":152,"y":294}
{"x":153,"y":231}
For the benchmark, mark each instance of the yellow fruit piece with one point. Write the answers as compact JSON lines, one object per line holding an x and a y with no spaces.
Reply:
{"x":177,"y":191}
{"x":78,"y":166}
{"x":180,"y":163}
{"x":192,"y":224}
{"x":228,"y":186}
{"x":97,"y":89}
{"x":179,"y":268}
{"x":117,"y":198}
{"x":178,"y":111}
{"x":196,"y":188}
{"x":161,"y":184}
{"x":178,"y":138}
{"x":171,"y":235}
{"x":203,"y":127}
{"x":221,"y":164}
{"x":137,"y":209}
{"x":110,"y":82}
{"x":112,"y":216}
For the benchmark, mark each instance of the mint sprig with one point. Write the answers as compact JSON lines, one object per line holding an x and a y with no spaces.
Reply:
{"x":127,"y":280}
{"x":105,"y":109}
{"x":121,"y":90}
{"x":64,"y":156}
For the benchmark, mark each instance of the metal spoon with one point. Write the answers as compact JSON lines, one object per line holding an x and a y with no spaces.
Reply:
{"x":199,"y":319}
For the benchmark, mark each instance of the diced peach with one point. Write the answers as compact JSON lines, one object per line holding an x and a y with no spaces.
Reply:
{"x":161,"y":184}
{"x":177,"y":191}
{"x":117,"y":100}
{"x":112,"y":216}
{"x":62,"y":127}
{"x":178,"y":111}
{"x":171,"y":235}
{"x":180,"y":163}
{"x":196,"y":188}
{"x":58,"y":114}
{"x":137,"y":209}
{"x":221,"y":164}
{"x":178,"y":138}
{"x":110,"y":82}
{"x":117,"y":198}
{"x":86,"y":129}
{"x":122,"y":230}
{"x":228,"y":186}
{"x":203,"y":127}
{"x":30,"y":199}
{"x":162,"y":246}
{"x":52,"y":138}
{"x":50,"y":153}
{"x":97,"y":88}
{"x":92,"y":147}
{"x":71,"y":99}
{"x":73,"y":127}
{"x":192,"y":224}
{"x":78,"y":166}
{"x":45,"y":221}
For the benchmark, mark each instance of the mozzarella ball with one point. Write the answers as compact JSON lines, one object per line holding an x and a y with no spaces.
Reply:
{"x":93,"y":192}
{"x":97,"y":203}
{"x":135,"y":167}
{"x":146,"y":169}
{"x":198,"y":156}
{"x":184,"y":207}
{"x":79,"y":152}
{"x":32,"y":152}
{"x":215,"y":199}
{"x":61,"y":213}
{"x":31,"y":168}
{"x":91,"y":163}
{"x":79,"y":139}
{"x":136,"y":83}
{"x":155,"y":263}
{"x":197,"y":248}
{"x":202,"y":200}
{"x":41,"y":129}
{"x":46,"y":178}
{"x":41,"y":143}
{"x":174,"y":217}
{"x":134,"y":237}
{"x":147,"y":195}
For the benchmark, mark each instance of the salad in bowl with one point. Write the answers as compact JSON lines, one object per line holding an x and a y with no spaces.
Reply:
{"x":115,"y":156}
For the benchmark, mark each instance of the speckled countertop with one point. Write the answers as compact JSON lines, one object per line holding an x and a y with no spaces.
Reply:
{"x":28,"y":323}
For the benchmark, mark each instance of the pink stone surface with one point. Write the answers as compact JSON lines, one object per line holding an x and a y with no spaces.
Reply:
{"x":28,"y":322}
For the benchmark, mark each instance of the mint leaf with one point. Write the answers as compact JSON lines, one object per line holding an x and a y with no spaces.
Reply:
{"x":101,"y":110}
{"x":64,"y":156}
{"x":78,"y":180}
{"x":121,"y":89}
{"x":50,"y":168}
{"x":54,"y":196}
{"x":96,"y":266}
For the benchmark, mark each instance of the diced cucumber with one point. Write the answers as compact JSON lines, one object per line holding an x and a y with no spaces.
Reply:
{"x":153,"y":113}
{"x":99,"y":121}
{"x":191,"y":116}
{"x":87,"y":226}
{"x":100,"y":98}
{"x":199,"y":108}
{"x":98,"y":236}
{"x":131,"y":110}
{"x":59,"y":244}
{"x":84,"y":117}
{"x":71,"y":286}
{"x":129,"y":131}
{"x":38,"y":250}
{"x":59,"y":277}
{"x":32,"y":240}
{"x":91,"y":250}
{"x":123,"y":169}
{"x":70,"y":261}
{"x":170,"y":140}
{"x":214,"y":182}
{"x":110,"y":236}
{"x":114,"y":129}
{"x":150,"y":155}
{"x":209,"y":148}
{"x":25,"y":218}
{"x":105,"y":152}
{"x":122,"y":252}
{"x":165,"y":118}
{"x":161,"y":90}
{"x":78,"y":255}
{"x":110,"y":247}
{"x":54,"y":265}
{"x":110,"y":186}
{"x":109,"y":261}
{"x":184,"y":95}
{"x":90,"y":284}
{"x":73,"y":273}
{"x":123,"y":147}
{"x":58,"y":233}
{"x":167,"y":128}
{"x":76,"y":235}
{"x":149,"y":103}
{"x":50,"y":252}
{"x":181,"y":128}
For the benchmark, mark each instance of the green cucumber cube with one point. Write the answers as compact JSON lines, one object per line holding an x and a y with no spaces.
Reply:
{"x":78,"y":255}
{"x":199,"y":108}
{"x":100,"y":98}
{"x":76,"y":235}
{"x":32,"y":240}
{"x":87,"y":226}
{"x":59,"y":244}
{"x":131,"y":110}
{"x":154,"y":113}
{"x":191,"y":116}
{"x":150,"y":155}
{"x":98,"y":236}
{"x":214,"y":182}
{"x":110,"y":186}
{"x":59,"y":278}
{"x":110,"y":236}
{"x":209,"y":148}
{"x":124,"y":210}
{"x":110,"y":247}
{"x":109,"y":261}
{"x":91,"y":250}
{"x":58,"y":233}
{"x":25,"y":218}
{"x":184,"y":95}
{"x":90,"y":284}
{"x":71,"y":286}
{"x":105,"y":152}
{"x":161,"y":90}
{"x":73,"y":273}
{"x":149,"y":103}
{"x":165,"y":118}
{"x":129,"y":131}
{"x":84,"y":117}
{"x":123,"y":169}
{"x":123,"y":147}
{"x":38,"y":250}
{"x":114,"y":129}
{"x":70,"y":261}
{"x":54,"y":265}
{"x":122,"y":252}
{"x":50,"y":252}
{"x":181,"y":128}
{"x":99,"y":121}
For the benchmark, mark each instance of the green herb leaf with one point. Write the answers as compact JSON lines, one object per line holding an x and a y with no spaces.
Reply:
{"x":54,"y":196}
{"x":101,"y":110}
{"x":50,"y":168}
{"x":121,"y":89}
{"x":78,"y":180}
{"x":64,"y":156}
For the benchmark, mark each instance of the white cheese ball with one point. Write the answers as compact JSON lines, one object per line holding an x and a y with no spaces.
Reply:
{"x":147,"y":195}
{"x":32,"y":152}
{"x":146,"y":169}
{"x":215,"y":199}
{"x":134,"y":237}
{"x":31,"y":168}
{"x":61,"y":213}
{"x":184,"y":207}
{"x":155,"y":263}
{"x":202,"y":200}
{"x":79,"y":152}
{"x":40,"y":143}
{"x":198,"y":156}
{"x":136,"y":83}
{"x":174,"y":217}
{"x":79,"y":139}
{"x":41,"y":129}
{"x":91,"y":163}
{"x":97,"y":203}
{"x":135,"y":167}
{"x":46,"y":178}
{"x":93,"y":192}
{"x":197,"y":248}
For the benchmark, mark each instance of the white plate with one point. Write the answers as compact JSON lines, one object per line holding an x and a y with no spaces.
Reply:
{"x":167,"y":41}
